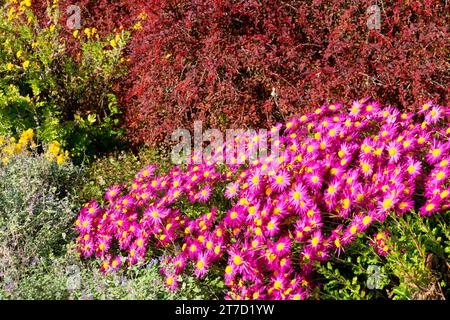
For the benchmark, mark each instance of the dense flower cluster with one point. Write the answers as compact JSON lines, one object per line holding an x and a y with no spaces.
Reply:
{"x":10,"y":147}
{"x":336,"y":172}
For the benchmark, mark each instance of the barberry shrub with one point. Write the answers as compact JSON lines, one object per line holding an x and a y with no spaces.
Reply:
{"x":250,"y":63}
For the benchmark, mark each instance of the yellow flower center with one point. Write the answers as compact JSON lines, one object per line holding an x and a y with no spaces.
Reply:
{"x":237,"y":260}
{"x":200,"y":264}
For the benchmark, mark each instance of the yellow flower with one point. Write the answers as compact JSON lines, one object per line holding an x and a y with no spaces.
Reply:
{"x":18,"y":147}
{"x":11,"y":13}
{"x":27,"y":135}
{"x":87,"y":32}
{"x":9,"y":66}
{"x":113,"y":43}
{"x":26,"y":64}
{"x":19,"y":53}
{"x":60,"y":159}
{"x":143,"y":16}
{"x":137,"y":26}
{"x":52,"y":28}
{"x":76,"y":33}
{"x":8,"y":150}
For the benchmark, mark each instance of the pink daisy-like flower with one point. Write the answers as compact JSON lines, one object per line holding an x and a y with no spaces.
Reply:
{"x":201,"y":266}
{"x":204,"y":194}
{"x":356,"y":108}
{"x":412,"y":167}
{"x":147,"y":172}
{"x":102,"y":245}
{"x":314,"y":180}
{"x":83,"y":224}
{"x":298,"y":194}
{"x":232,"y":190}
{"x":316,"y":240}
{"x":429,"y":208}
{"x":233,"y":218}
{"x":171,"y":281}
{"x":386,"y":204}
{"x":404,"y":206}
{"x":155,"y":215}
{"x":179,"y":263}
{"x":91,"y":209}
{"x":279,"y":283}
{"x":87,"y":246}
{"x":280,"y":207}
{"x":282,"y":246}
{"x":256,"y":181}
{"x":229,"y":274}
{"x":394,"y":151}
{"x":116,"y":263}
{"x":272,"y":227}
{"x":366,"y":167}
{"x":112,"y":193}
{"x":280,"y":181}
{"x":193,"y":248}
{"x":434,"y":115}
{"x":436,"y":151}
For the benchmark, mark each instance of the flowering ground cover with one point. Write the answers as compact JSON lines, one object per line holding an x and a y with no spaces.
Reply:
{"x":339,"y":173}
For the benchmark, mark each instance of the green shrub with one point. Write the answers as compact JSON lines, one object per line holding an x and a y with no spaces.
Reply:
{"x":38,"y":203}
{"x":65,"y":96}
{"x":67,"y":277}
{"x":416,"y":266}
{"x":37,"y":210}
{"x":116,"y":168}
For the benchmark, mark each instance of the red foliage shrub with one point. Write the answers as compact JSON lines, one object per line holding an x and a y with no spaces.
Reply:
{"x":105,"y":15}
{"x":250,"y":63}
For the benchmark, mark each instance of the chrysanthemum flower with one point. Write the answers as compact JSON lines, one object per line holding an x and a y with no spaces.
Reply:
{"x":272,"y":227}
{"x":280,"y":181}
{"x":83,"y":224}
{"x":234,"y":218}
{"x":394,"y":151}
{"x":282,"y":246}
{"x":413,"y":167}
{"x":429,"y":208}
{"x":155,"y":215}
{"x":204,"y":194}
{"x":232,"y":190}
{"x":316,"y":239}
{"x":436,"y":151}
{"x":179,"y":263}
{"x":201,"y":266}
{"x":171,"y":281}
{"x":112,"y":193}
{"x":356,"y":166}
{"x":434,"y":115}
